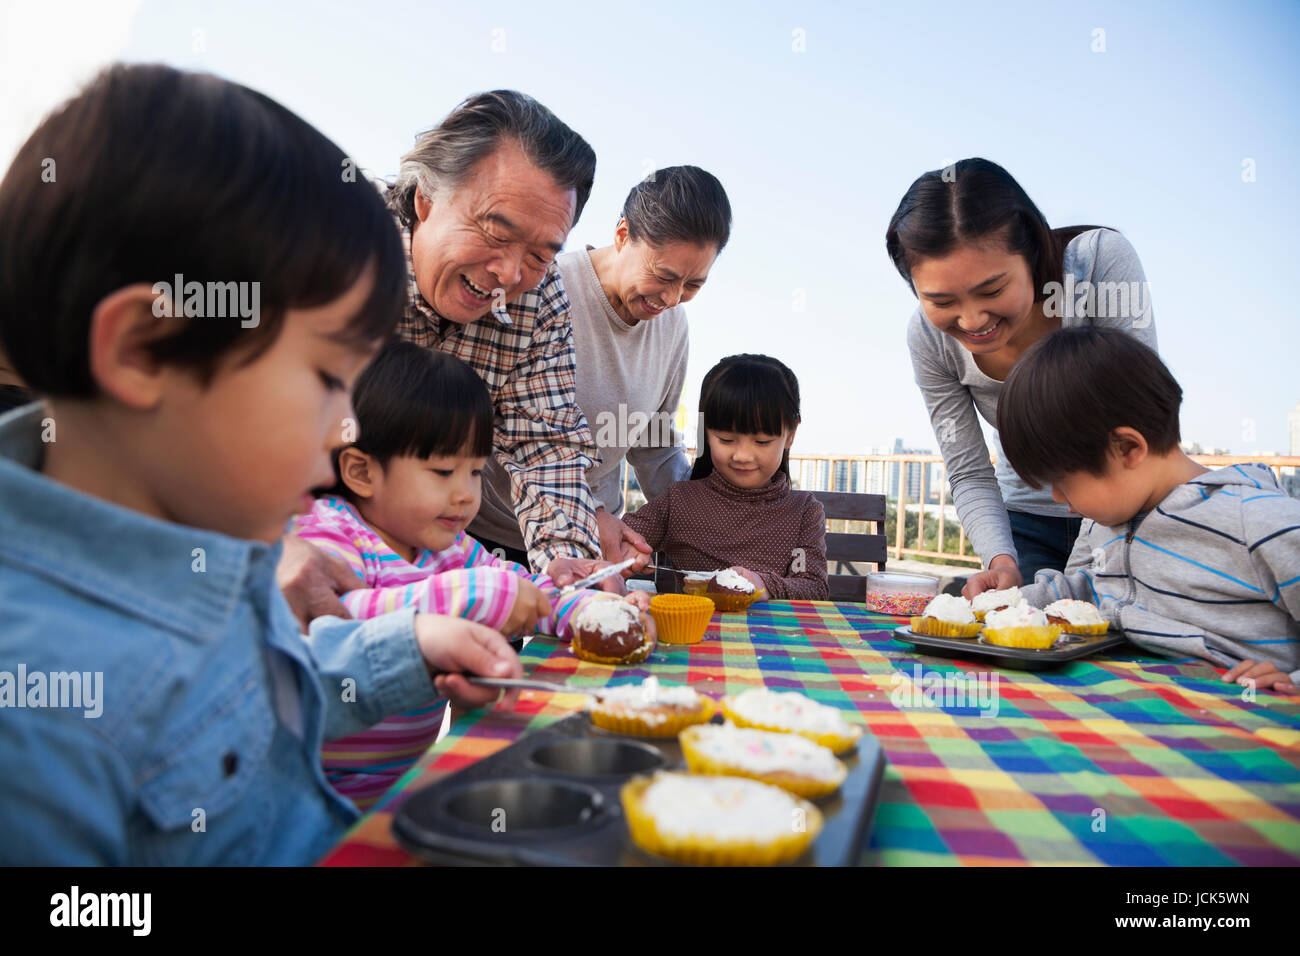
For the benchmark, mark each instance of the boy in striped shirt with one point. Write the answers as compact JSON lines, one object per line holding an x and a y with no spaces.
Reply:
{"x":406,"y":489}
{"x":1185,"y":560}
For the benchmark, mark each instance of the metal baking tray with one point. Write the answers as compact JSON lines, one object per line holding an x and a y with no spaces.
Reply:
{"x":1016,"y":658}
{"x":552,"y":799}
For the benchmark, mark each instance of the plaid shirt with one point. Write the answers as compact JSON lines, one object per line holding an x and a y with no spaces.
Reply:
{"x":524,"y":354}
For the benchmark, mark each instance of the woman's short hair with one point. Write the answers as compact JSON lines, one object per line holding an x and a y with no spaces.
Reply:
{"x":679,"y":204}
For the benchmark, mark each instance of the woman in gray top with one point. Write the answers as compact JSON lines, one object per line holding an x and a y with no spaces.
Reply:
{"x":992,"y":279}
{"x":630,"y":336}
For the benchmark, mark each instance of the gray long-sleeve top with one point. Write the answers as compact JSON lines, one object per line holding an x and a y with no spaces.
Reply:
{"x":1099,"y":264}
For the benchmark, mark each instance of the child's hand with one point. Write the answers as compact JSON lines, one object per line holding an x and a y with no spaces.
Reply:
{"x":564,"y":571}
{"x":639,"y":600}
{"x":1262,"y":674}
{"x":457,"y":647}
{"x":530,"y":606}
{"x":648,"y":625}
{"x":1002,"y":573}
{"x":751,"y":577}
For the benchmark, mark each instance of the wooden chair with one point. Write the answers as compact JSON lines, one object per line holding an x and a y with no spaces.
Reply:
{"x":842,"y":548}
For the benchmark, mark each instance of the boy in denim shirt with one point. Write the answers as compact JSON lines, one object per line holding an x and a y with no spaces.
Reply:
{"x":191,"y":294}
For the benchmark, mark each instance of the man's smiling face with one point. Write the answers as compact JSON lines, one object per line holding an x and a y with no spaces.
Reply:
{"x":492,"y":237}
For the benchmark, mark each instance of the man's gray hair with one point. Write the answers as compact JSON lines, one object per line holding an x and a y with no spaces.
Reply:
{"x":443,"y":156}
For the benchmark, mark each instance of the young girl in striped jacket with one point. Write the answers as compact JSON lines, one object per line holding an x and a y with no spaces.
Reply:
{"x":406,"y":489}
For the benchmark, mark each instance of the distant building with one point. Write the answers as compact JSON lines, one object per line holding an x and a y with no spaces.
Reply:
{"x":1293,"y":430}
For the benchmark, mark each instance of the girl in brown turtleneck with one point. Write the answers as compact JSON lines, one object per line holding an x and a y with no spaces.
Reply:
{"x":738,"y":510}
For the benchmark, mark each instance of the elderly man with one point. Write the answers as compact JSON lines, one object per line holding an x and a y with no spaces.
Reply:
{"x":485,"y":201}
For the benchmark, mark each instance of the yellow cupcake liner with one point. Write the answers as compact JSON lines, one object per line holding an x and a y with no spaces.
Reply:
{"x":1035,"y":638}
{"x":636,"y":657}
{"x":708,"y":851}
{"x":934,"y":627}
{"x":807,"y":787}
{"x":1094,"y":629}
{"x":838,"y":743}
{"x":727,"y":603}
{"x":627,"y":722}
{"x":681,"y":618}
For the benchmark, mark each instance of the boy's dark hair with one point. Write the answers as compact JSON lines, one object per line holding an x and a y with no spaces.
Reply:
{"x":419,"y":402}
{"x":444,"y":156}
{"x":972,"y":201}
{"x":150,"y":173}
{"x":1069,"y":392}
{"x":749,"y":395}
{"x":679,"y":204}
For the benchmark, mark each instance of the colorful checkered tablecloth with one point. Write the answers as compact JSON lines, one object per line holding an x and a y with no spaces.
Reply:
{"x":1122,"y":758}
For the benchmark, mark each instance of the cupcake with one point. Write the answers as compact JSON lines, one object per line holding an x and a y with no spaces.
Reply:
{"x":788,"y":761}
{"x":791,"y":712}
{"x":1076,"y":617}
{"x":730,"y":582}
{"x":649,"y":709}
{"x":731,"y":591}
{"x":718,"y":821}
{"x":1020,"y":626}
{"x":947,"y":615}
{"x":609,"y":631}
{"x":998,"y":600}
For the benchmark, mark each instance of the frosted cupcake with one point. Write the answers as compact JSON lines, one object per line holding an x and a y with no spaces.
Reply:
{"x":1020,"y":626}
{"x":730,"y":591}
{"x":1076,"y":617}
{"x":650,"y":709}
{"x":718,"y":821}
{"x":998,"y":600}
{"x":609,"y":631}
{"x":947,"y":615}
{"x":791,"y":712}
{"x":788,"y":761}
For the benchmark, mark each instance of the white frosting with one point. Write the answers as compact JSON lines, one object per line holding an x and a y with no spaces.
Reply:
{"x":1079,"y":613}
{"x":1021,"y":615}
{"x":650,"y":695}
{"x":988,"y":600}
{"x":790,"y":710}
{"x":733,"y":580}
{"x":761,"y":751}
{"x":727,"y":809}
{"x":699,"y":576}
{"x":607,"y":615}
{"x":950,"y":607}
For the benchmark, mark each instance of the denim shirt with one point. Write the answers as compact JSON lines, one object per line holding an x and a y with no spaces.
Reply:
{"x":212,"y":705}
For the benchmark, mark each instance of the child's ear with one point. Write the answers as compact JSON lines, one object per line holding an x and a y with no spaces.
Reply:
{"x":1129,"y":446}
{"x":358,"y":471}
{"x":789,"y":439}
{"x":122,"y":327}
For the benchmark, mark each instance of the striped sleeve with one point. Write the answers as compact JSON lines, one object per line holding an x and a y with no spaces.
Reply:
{"x":562,"y":611}
{"x":482,"y":594}
{"x":328,"y":534}
{"x":1271,"y":524}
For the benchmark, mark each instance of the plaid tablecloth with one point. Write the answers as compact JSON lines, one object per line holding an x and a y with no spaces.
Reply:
{"x":1119,"y":759}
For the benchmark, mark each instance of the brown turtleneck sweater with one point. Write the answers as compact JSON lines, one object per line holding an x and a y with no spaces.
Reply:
{"x":774,"y":531}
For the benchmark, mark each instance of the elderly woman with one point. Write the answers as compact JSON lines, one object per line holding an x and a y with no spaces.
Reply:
{"x":630,"y":336}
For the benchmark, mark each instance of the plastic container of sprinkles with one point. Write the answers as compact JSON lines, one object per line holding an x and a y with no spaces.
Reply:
{"x":902,"y":595}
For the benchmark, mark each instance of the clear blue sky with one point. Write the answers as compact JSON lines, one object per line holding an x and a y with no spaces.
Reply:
{"x":816,"y":148}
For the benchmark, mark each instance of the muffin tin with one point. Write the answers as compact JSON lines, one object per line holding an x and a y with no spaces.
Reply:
{"x":552,"y":799}
{"x":1016,"y":658}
